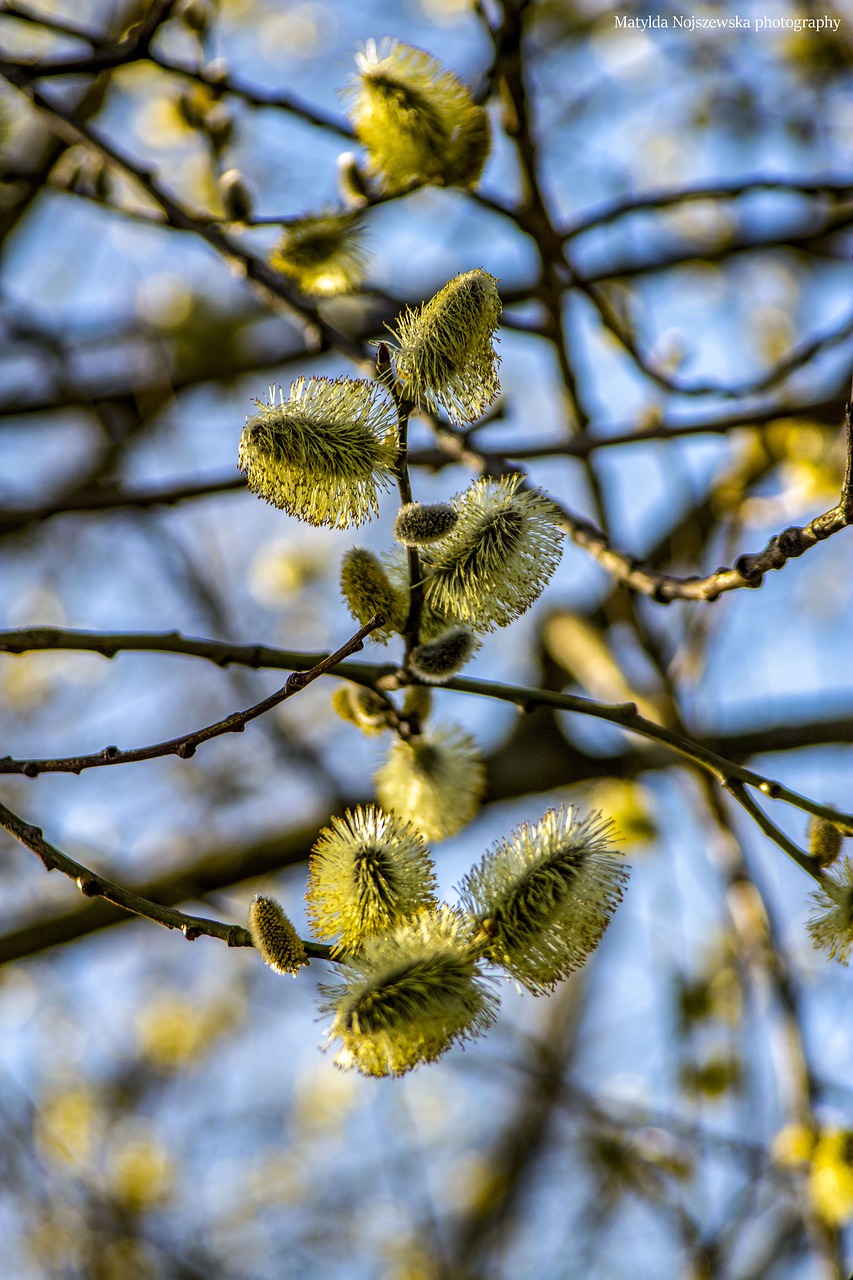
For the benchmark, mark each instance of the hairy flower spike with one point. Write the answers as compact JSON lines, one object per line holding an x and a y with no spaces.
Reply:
{"x":324,"y":253}
{"x":544,"y":897}
{"x":825,"y":841}
{"x":418,"y":122}
{"x":367,"y":590}
{"x":369,"y":871}
{"x":440,"y":659}
{"x":831,"y":922}
{"x":435,"y":781}
{"x":445,"y":355}
{"x":408,"y":996}
{"x":418,"y":523}
{"x":498,"y":558}
{"x":275,"y":937}
{"x":321,"y":454}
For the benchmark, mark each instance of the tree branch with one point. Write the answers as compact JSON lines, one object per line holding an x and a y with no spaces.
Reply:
{"x":186,"y":745}
{"x":92,"y":885}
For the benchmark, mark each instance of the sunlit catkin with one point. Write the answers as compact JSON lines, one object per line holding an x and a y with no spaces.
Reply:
{"x":444,"y":355}
{"x":499,"y":556}
{"x":369,"y":870}
{"x":275,"y":937}
{"x":408,"y":995}
{"x":367,"y":589}
{"x":417,"y":121}
{"x":831,"y":922}
{"x":324,"y":253}
{"x":543,"y":898}
{"x":435,"y":781}
{"x":321,"y":454}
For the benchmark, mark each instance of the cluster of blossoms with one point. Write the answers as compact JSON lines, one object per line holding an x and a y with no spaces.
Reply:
{"x":413,"y":969}
{"x":419,"y":126}
{"x":413,"y":980}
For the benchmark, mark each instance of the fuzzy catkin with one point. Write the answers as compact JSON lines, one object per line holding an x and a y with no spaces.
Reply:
{"x":322,"y":454}
{"x":444,"y":354}
{"x":274,"y":936}
{"x":408,"y":996}
{"x":417,"y":121}
{"x":368,"y":871}
{"x":543,"y":898}
{"x":324,"y":253}
{"x":499,"y":556}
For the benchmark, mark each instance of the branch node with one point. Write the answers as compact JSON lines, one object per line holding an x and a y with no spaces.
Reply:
{"x":186,"y":750}
{"x":771,"y":789}
{"x":89,"y":885}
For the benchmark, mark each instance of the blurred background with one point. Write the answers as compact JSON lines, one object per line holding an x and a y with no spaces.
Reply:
{"x":669,"y":212}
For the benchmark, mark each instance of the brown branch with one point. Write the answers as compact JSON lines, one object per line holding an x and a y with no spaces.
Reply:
{"x":748,"y":570}
{"x":186,"y":745}
{"x":93,"y":885}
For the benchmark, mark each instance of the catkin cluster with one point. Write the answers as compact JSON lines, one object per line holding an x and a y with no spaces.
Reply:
{"x":413,"y":971}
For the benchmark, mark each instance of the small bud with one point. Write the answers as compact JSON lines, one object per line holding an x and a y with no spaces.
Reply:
{"x":367,"y":590}
{"x":236,"y":197}
{"x":195,"y":14}
{"x":324,"y":253}
{"x":218,"y":124}
{"x":440,"y":659}
{"x":275,"y":937}
{"x":445,"y":355}
{"x":825,"y":841}
{"x":435,"y":780}
{"x":320,"y":454}
{"x":353,"y":184}
{"x":419,"y":523}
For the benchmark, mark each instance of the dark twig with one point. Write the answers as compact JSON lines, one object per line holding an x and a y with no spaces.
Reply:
{"x":186,"y":745}
{"x":92,"y":885}
{"x":624,"y":715}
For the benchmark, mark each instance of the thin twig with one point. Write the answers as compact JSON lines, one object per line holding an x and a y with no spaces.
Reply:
{"x":186,"y":745}
{"x":93,"y":885}
{"x":625,"y":715}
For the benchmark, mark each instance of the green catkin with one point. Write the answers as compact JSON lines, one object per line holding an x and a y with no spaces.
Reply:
{"x":369,"y":871}
{"x":444,"y":355}
{"x":825,"y":841}
{"x":361,"y":707}
{"x":275,"y":937}
{"x":408,"y":996}
{"x":417,"y":121}
{"x":498,"y":558}
{"x":322,"y":454}
{"x":543,"y":898}
{"x":435,"y":780}
{"x":367,"y":590}
{"x":324,"y":253}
